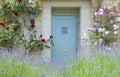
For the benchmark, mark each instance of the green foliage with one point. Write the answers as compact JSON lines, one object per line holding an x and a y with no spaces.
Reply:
{"x":37,"y":44}
{"x":102,"y":66}
{"x":13,"y":68}
{"x":11,"y":34}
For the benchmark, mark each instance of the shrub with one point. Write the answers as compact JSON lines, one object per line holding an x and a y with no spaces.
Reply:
{"x":106,"y":27}
{"x":11,"y":34}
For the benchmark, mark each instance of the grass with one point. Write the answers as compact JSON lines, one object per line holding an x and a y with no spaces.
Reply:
{"x":100,"y":65}
{"x":13,"y":68}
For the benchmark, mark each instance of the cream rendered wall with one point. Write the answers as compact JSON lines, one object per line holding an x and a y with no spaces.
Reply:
{"x":46,"y":19}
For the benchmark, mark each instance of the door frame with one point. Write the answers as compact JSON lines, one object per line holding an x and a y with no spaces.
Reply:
{"x":85,"y":10}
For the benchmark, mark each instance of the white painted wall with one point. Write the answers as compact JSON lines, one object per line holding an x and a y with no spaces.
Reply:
{"x":46,"y":19}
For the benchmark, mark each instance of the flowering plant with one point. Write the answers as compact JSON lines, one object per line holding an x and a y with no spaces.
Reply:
{"x":38,"y":44}
{"x":106,"y":27}
{"x":11,"y":33}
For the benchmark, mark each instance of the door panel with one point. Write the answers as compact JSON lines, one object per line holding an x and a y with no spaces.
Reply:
{"x":64,"y":30}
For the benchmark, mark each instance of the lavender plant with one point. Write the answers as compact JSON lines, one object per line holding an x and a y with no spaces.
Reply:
{"x":101,"y":64}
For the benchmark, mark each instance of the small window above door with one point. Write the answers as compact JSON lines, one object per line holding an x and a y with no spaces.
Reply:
{"x":65,"y":10}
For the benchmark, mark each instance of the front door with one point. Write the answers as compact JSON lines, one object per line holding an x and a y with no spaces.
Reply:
{"x":64,"y":30}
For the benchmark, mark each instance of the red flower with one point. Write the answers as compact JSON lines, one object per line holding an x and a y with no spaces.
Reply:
{"x":10,"y":21}
{"x":19,"y":0}
{"x":51,"y":37}
{"x":32,"y":25}
{"x":15,"y":29}
{"x":43,"y":40}
{"x":16,"y":13}
{"x":2,"y":24}
{"x":41,"y":36}
{"x":5,"y":40}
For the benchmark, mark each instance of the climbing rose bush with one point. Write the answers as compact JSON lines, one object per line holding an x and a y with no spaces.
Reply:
{"x":11,"y":33}
{"x":105,"y":30}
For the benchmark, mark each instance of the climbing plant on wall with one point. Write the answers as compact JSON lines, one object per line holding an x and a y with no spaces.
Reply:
{"x":11,"y":33}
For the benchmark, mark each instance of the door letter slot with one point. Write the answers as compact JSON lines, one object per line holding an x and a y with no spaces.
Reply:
{"x":64,"y":49}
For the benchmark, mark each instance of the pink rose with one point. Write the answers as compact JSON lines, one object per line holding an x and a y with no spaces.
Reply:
{"x":109,"y":7}
{"x":101,"y":30}
{"x":116,"y":27}
{"x":118,"y":19}
{"x":90,"y":29}
{"x":106,"y":33}
{"x":100,"y":40}
{"x":115,"y":32}
{"x":111,"y":21}
{"x":96,"y":24}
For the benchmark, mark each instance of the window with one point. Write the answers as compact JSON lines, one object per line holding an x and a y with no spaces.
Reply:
{"x":64,"y":30}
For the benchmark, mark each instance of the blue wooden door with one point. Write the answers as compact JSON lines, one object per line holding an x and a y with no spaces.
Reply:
{"x":64,"y":30}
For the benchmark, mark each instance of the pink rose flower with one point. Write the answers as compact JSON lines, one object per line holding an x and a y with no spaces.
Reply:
{"x":118,"y":19}
{"x":101,"y":10}
{"x":101,"y":30}
{"x":111,"y":21}
{"x":115,"y":32}
{"x":85,"y":36}
{"x":90,"y":29}
{"x":116,"y":27}
{"x":96,"y":14}
{"x":96,"y":24}
{"x":100,"y":13}
{"x":104,"y":7}
{"x":109,"y":7}
{"x":100,"y":41}
{"x":106,"y":33}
